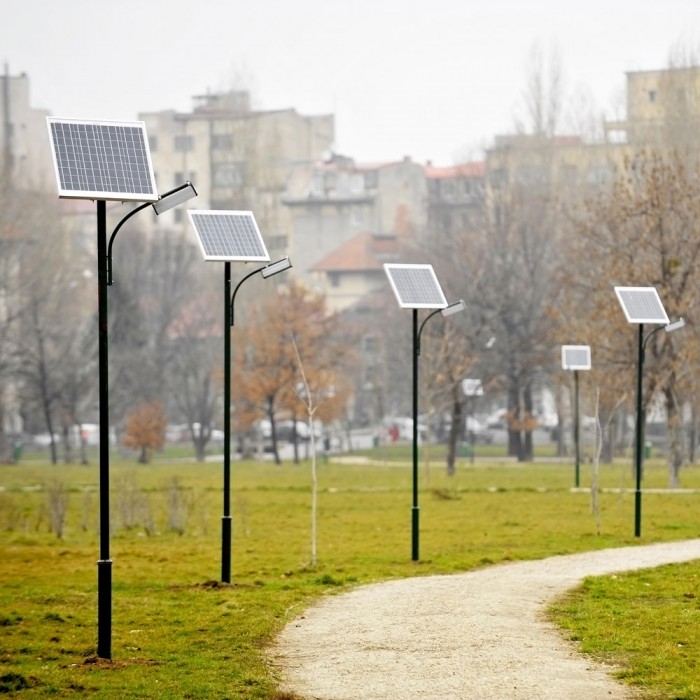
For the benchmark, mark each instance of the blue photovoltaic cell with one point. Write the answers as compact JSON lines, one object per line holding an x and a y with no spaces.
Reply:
{"x":416,"y":286}
{"x":229,"y":235}
{"x":102,"y":160}
{"x":576,"y":357}
{"x":641,"y":304}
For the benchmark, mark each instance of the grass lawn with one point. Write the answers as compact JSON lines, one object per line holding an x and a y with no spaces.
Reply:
{"x":179,"y":633}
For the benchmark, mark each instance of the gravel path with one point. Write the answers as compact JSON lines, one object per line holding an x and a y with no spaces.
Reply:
{"x":480,"y":634}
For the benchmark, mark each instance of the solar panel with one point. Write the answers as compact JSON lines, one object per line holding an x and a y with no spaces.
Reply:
{"x":102,"y":160}
{"x":575,"y":357}
{"x":415,"y":286}
{"x":228,"y":235}
{"x":641,"y":304}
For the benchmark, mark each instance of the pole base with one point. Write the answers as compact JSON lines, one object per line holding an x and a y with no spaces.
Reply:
{"x":104,"y":608}
{"x":415,"y":530}
{"x":226,"y":549}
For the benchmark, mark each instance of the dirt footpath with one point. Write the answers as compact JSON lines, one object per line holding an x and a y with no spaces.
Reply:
{"x":476,"y":635}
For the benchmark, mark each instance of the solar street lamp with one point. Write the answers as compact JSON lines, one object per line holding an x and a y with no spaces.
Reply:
{"x":231,"y":236}
{"x":416,"y":287}
{"x":642,"y":305}
{"x":575,"y":358}
{"x":106,"y":160}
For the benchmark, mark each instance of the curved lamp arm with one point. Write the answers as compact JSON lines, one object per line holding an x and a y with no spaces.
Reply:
{"x":669,"y":328}
{"x":420,"y":330}
{"x":114,"y":235}
{"x":454,"y":308}
{"x":233,"y":296}
{"x":166,"y":201}
{"x":267,"y":271}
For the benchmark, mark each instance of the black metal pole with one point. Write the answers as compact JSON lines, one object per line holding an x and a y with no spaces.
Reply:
{"x":226,"y":518}
{"x":104,"y":565}
{"x":577,"y":433}
{"x":640,"y":438}
{"x":415,"y":512}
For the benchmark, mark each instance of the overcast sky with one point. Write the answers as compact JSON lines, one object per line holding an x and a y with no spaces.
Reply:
{"x":435,"y":80}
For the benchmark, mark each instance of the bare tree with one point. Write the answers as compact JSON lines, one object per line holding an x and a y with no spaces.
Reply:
{"x":195,"y":369}
{"x":643,"y":231}
{"x":543,"y":97}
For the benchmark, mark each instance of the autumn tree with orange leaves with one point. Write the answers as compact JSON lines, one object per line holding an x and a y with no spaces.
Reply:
{"x":267,"y":375}
{"x":145,"y":429}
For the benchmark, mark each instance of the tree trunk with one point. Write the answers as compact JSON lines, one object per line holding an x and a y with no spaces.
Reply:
{"x":5,"y":454}
{"x":454,"y":435}
{"x":83,"y":445}
{"x":514,"y":417}
{"x":295,"y":438}
{"x":67,"y":445}
{"x":273,"y":430}
{"x":200,"y":448}
{"x":676,"y":443}
{"x":607,"y":440}
{"x":561,"y":424}
{"x":528,"y":451}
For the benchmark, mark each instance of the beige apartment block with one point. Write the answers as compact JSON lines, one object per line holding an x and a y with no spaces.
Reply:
{"x":25,"y":156}
{"x":661,"y":105}
{"x":236,"y":157}
{"x":335,"y":200}
{"x":456,"y":199}
{"x":663,"y":110}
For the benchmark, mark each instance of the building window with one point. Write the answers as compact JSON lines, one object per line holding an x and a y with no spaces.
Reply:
{"x":568,"y":174}
{"x":229,"y":174}
{"x":153,"y":143}
{"x":371,"y":179}
{"x":356,"y":216}
{"x":276,"y":243}
{"x":652,"y":95}
{"x":184,"y":142}
{"x":317,"y":184}
{"x":222,"y":142}
{"x":370,"y":344}
{"x":598,"y":175}
{"x":334,"y":279}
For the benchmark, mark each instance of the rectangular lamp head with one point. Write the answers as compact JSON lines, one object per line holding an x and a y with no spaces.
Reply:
{"x":276,"y":267}
{"x":171,"y":199}
{"x":454,"y":308}
{"x":675,"y":325}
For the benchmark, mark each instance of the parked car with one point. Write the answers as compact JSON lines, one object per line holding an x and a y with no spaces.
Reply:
{"x":477,"y":432}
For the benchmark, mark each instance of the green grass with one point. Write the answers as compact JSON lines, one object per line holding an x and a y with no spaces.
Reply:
{"x":178,"y":633}
{"x":646,"y":623}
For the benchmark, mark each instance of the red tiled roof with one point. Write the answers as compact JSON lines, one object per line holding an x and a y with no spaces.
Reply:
{"x":475,"y":169}
{"x":365,"y":251}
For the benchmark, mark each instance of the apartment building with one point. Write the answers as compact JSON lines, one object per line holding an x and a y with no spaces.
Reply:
{"x":237,"y":157}
{"x":660,"y":104}
{"x":456,"y":198}
{"x":25,"y":156}
{"x":338,"y":206}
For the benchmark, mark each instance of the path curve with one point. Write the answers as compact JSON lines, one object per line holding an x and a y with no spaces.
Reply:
{"x":476,"y":635}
